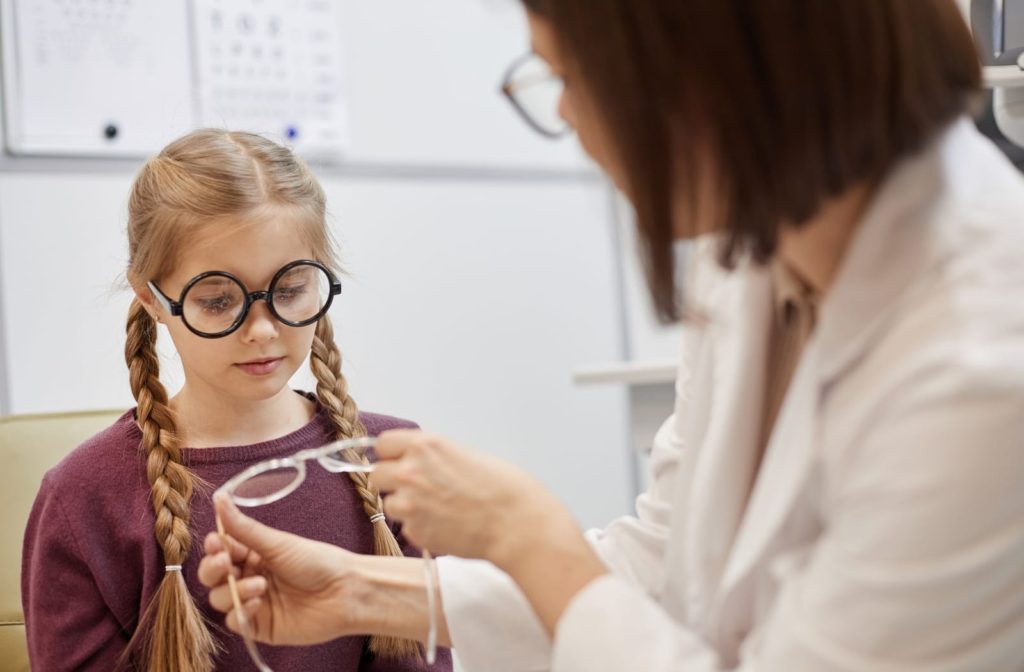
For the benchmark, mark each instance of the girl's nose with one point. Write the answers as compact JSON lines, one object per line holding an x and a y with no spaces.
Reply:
{"x":260,"y":324}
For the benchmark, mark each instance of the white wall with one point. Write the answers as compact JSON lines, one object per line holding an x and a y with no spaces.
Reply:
{"x":483,"y":298}
{"x":645,"y":339}
{"x":423,"y":81}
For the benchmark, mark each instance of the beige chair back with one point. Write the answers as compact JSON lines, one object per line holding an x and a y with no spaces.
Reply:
{"x":29,"y":446}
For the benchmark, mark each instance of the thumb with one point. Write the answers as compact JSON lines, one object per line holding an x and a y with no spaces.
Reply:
{"x":243,"y":529}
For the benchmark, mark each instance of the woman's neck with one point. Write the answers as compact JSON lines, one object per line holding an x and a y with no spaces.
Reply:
{"x":218,"y":421}
{"x":816,"y":249}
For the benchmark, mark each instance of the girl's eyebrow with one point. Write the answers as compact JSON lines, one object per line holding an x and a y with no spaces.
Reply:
{"x":215,"y":280}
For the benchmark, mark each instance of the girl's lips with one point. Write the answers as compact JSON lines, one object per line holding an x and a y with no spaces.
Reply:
{"x":261,"y":367}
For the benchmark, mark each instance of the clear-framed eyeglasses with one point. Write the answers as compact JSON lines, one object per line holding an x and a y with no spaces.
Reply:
{"x":268,"y":481}
{"x":535,"y":92}
{"x":215,"y":303}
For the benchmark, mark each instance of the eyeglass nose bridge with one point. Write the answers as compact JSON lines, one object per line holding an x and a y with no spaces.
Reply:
{"x":251,"y":298}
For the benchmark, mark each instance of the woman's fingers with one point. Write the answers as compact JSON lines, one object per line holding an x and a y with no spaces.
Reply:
{"x":252,"y":538}
{"x":214,"y":544}
{"x":214,"y":569}
{"x":249,"y":588}
{"x":220,"y":598}
{"x":251,"y":608}
{"x":404,"y":456}
{"x":395,"y":443}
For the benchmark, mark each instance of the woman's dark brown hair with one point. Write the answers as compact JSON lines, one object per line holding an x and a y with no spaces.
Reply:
{"x":794,"y":101}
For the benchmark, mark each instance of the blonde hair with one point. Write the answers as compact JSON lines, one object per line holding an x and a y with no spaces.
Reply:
{"x":206,"y":177}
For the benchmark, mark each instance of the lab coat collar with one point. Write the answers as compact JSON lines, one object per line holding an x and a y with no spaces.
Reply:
{"x":896,"y":242}
{"x":725,"y":471}
{"x":894,"y":245}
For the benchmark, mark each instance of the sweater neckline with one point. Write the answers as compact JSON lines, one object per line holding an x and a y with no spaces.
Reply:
{"x":307,"y":436}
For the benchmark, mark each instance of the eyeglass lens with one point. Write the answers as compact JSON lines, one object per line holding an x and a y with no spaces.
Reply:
{"x":266,"y":484}
{"x":217,"y":302}
{"x":537,"y":92}
{"x":271,"y":484}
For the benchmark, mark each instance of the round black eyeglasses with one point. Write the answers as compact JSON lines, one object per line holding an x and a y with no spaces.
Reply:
{"x":215,"y":303}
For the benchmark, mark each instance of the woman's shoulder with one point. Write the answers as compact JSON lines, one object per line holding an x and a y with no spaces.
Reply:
{"x":378,"y":423}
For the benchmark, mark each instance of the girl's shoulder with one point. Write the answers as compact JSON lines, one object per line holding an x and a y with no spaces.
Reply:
{"x":377,"y":423}
{"x":95,"y":504}
{"x":103,"y":457}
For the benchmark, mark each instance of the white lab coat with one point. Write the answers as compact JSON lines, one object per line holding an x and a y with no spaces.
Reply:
{"x":886,"y":527}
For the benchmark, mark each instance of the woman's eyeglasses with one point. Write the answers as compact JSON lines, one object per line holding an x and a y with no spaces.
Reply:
{"x":216,"y":303}
{"x":271,"y":480}
{"x":535,"y":92}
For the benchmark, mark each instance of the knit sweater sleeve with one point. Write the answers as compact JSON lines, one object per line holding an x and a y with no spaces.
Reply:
{"x":68,"y":624}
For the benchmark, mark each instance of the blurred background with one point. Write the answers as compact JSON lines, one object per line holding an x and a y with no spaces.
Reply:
{"x":493,"y":293}
{"x":491,"y":276}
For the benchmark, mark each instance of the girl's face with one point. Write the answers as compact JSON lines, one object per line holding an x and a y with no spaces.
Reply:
{"x":255,"y":362}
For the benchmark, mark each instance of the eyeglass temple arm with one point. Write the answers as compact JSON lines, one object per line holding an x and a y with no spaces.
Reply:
{"x":170,"y":306}
{"x":510,"y":87}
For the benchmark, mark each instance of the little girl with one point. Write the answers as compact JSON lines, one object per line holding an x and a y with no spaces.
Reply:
{"x":229,"y":250}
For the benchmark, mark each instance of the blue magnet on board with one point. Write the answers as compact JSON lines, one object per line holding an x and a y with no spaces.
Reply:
{"x":292,"y":132}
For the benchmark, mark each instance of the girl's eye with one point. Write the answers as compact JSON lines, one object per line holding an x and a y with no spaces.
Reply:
{"x":216,"y":304}
{"x":284,"y":294}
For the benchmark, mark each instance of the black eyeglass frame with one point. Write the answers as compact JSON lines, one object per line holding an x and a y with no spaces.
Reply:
{"x":176,"y":308}
{"x":508,"y":89}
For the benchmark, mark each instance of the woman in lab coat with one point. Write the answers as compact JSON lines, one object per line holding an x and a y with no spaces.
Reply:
{"x":841,"y":486}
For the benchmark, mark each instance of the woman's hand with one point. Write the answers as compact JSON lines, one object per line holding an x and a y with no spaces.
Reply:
{"x":293,"y":590}
{"x":456,"y":501}
{"x":453,"y":500}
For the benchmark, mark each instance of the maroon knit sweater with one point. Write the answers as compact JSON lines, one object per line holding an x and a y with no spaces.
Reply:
{"x":91,"y":562}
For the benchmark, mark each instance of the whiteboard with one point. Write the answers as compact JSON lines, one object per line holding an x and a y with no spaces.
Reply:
{"x":124,"y":77}
{"x":96,"y":78}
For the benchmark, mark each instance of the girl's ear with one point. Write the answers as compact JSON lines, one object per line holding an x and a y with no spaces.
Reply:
{"x":148,"y":301}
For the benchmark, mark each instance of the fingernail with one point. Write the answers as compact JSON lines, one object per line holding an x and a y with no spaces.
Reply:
{"x":222,"y":500}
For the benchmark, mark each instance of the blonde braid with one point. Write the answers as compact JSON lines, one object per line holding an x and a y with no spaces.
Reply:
{"x":332,"y":391}
{"x":172,"y":635}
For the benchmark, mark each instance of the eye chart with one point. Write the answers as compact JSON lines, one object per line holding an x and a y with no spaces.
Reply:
{"x":274,"y":67}
{"x":124,"y":77}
